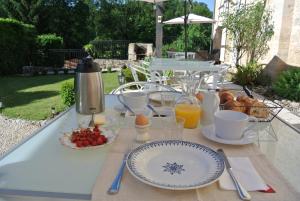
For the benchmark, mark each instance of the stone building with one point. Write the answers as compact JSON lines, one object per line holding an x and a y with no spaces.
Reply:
{"x":285,"y":44}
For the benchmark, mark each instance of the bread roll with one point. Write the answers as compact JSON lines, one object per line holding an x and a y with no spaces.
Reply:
{"x":247,"y":101}
{"x":235,"y":106}
{"x":259,"y":110}
{"x":242,"y":98}
{"x":222,"y":91}
{"x":226,"y":96}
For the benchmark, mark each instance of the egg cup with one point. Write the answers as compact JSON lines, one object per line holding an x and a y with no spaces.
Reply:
{"x":142,"y":133}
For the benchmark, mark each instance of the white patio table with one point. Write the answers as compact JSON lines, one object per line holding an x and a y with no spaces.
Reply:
{"x":41,"y":169}
{"x":188,"y":65}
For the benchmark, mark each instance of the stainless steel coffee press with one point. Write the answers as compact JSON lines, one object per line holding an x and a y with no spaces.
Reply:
{"x":89,"y":87}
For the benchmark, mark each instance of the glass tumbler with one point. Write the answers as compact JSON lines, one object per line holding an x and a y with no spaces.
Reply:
{"x":173,"y":129}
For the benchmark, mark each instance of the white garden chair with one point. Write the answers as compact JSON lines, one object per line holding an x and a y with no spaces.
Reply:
{"x":207,"y":79}
{"x":141,"y":86}
{"x":143,"y":68}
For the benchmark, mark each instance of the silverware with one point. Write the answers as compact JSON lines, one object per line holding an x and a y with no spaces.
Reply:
{"x":244,"y":195}
{"x":92,"y":122}
{"x":115,"y":186}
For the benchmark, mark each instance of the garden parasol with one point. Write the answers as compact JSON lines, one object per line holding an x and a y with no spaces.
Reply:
{"x":185,"y":18}
{"x":189,"y":19}
{"x":192,"y":19}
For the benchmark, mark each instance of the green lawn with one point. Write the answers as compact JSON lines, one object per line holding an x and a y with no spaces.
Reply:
{"x":32,"y":97}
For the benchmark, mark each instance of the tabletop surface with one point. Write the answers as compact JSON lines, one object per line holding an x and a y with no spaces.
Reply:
{"x":173,"y":64}
{"x":41,"y":166}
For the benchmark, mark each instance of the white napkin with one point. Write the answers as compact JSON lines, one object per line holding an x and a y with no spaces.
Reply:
{"x":245,"y":173}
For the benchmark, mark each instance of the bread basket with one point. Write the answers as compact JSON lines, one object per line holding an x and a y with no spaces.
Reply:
{"x":270,"y":109}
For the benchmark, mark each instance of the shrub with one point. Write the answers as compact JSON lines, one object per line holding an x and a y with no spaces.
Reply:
{"x":90,"y":49}
{"x":129,"y":77}
{"x":44,"y":43}
{"x":248,"y":74}
{"x":67,"y":93}
{"x":49,"y":41}
{"x":263,"y":79}
{"x":17,"y":42}
{"x":287,"y":84}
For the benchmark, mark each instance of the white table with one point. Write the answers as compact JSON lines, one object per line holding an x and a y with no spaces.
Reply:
{"x":188,"y":65}
{"x":41,"y":169}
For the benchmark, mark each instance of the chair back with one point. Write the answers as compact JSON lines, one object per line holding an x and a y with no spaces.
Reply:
{"x":141,"y":86}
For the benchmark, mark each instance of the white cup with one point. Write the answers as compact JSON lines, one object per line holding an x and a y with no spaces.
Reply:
{"x":232,"y":125}
{"x":134,"y":100}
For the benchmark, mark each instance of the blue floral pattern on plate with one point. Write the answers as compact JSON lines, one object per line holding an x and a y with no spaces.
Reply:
{"x":173,"y":168}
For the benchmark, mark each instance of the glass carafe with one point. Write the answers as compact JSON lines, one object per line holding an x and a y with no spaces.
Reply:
{"x":188,"y":107}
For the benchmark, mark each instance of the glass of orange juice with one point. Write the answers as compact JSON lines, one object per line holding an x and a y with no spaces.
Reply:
{"x":190,"y":112}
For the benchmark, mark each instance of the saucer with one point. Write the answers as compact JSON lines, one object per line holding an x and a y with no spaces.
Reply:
{"x":209,"y":133}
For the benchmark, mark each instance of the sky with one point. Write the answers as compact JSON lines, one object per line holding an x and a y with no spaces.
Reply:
{"x":210,"y":3}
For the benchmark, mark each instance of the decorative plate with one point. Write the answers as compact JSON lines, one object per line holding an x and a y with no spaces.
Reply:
{"x":175,"y":164}
{"x":209,"y":133}
{"x":65,"y":139}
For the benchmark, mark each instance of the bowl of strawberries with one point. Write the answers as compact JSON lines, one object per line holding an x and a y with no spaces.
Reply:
{"x":86,"y":138}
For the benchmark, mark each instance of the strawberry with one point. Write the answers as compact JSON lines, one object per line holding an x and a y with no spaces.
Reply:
{"x":79,"y":144}
{"x":104,"y":139}
{"x":100,"y":141}
{"x":86,"y":143}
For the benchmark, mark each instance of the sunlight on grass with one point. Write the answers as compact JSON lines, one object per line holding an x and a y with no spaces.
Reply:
{"x":32,"y":97}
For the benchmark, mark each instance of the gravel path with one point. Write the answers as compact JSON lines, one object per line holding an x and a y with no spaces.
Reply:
{"x":12,"y":131}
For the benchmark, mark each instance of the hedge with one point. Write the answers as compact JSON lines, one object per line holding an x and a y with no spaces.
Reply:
{"x":17,"y":43}
{"x":45,"y":57}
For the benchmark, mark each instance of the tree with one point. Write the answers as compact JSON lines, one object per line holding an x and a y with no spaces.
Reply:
{"x":250,"y":27}
{"x":66,"y":18}
{"x":26,"y":11}
{"x":258,"y":42}
{"x":125,"y":20}
{"x":2,"y":12}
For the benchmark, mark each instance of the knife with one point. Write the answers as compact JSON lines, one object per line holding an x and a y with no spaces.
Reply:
{"x":244,"y":195}
{"x":115,"y":186}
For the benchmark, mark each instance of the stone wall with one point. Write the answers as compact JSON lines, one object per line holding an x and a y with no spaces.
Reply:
{"x":105,"y":63}
{"x":294,"y":50}
{"x":114,"y":63}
